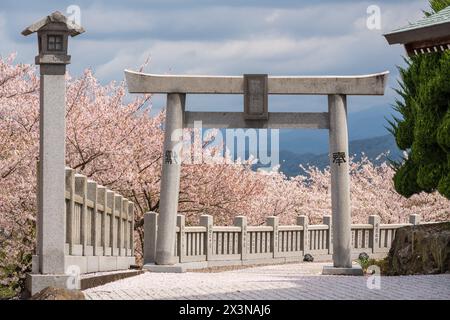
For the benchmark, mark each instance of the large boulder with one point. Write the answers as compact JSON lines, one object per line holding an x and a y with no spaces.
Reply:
{"x":51,"y":293}
{"x":421,"y":249}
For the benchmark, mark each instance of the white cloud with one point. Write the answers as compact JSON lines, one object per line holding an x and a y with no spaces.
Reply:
{"x":273,"y":16}
{"x":310,"y":39}
{"x":315,"y":38}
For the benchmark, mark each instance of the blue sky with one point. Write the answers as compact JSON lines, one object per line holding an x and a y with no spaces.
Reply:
{"x":224,"y":37}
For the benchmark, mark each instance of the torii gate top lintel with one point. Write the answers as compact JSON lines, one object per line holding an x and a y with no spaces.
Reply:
{"x":371,"y":84}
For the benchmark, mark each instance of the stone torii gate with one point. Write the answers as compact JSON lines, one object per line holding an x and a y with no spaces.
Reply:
{"x":256,"y":89}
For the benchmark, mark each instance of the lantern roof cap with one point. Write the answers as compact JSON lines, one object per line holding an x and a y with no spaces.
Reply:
{"x":56,"y":17}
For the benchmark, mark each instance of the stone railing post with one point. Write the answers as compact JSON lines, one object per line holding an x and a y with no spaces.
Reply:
{"x":118,"y":217}
{"x":303,"y":221}
{"x":70,"y":214}
{"x":92,"y":196}
{"x":131,"y":235}
{"x":329,"y":222}
{"x":274,"y":223}
{"x":181,"y":223}
{"x":241,"y":221}
{"x":101,"y":201}
{"x":150,"y":236}
{"x":112,"y":235}
{"x":414,"y":219}
{"x":375,"y":221}
{"x":124,"y":228}
{"x":81,"y":190}
{"x":207,"y":222}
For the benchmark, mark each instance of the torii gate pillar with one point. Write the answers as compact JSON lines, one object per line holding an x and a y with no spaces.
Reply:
{"x":170,"y":179}
{"x":340,"y":184}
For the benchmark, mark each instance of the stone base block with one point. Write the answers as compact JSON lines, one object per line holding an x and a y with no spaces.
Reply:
{"x":125,"y":262}
{"x":321,"y":257}
{"x":89,"y":264}
{"x":35,"y":264}
{"x":250,"y":262}
{"x":353,"y":271}
{"x":196,"y":265}
{"x":94,"y":280}
{"x":221,"y":263}
{"x":38,"y":282}
{"x":107,"y":263}
{"x":176,"y":268}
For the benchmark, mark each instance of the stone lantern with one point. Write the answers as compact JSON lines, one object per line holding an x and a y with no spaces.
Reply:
{"x":49,"y":263}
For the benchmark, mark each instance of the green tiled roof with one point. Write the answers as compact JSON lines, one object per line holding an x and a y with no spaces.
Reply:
{"x":437,"y":18}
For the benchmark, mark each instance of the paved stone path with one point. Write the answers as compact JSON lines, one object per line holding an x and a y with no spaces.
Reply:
{"x":277,"y":282}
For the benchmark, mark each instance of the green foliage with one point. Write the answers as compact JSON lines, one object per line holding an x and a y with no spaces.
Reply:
{"x":13,"y":274}
{"x":404,"y":135}
{"x":438,"y":5}
{"x":428,"y":176}
{"x":405,"y":179}
{"x":366,"y":263}
{"x":424,"y":130}
{"x":444,"y":186}
{"x":443,"y":133}
{"x":7,"y":293}
{"x":382,"y":264}
{"x":15,"y":260}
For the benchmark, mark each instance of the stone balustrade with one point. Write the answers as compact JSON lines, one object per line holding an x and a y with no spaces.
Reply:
{"x":271,"y":243}
{"x":99,"y":227}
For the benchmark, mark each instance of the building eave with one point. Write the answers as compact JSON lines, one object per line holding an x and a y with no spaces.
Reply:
{"x":437,"y":31}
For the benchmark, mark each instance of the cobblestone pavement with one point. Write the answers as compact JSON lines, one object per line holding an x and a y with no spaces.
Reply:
{"x":277,"y":282}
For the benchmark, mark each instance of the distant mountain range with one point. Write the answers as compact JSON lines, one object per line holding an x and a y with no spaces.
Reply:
{"x":363,"y":124}
{"x":372,"y":147}
{"x":367,"y":134}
